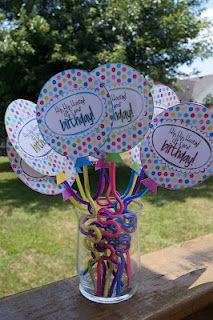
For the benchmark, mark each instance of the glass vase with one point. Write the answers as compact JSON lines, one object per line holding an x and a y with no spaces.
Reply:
{"x":108,"y":255}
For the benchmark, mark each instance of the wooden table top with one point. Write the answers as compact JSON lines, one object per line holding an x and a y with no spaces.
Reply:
{"x":175,"y":282}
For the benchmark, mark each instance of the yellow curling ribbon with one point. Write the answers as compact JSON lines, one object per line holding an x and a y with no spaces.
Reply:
{"x":89,"y":266}
{"x":60,"y":178}
{"x":89,"y":244}
{"x":133,"y":186}
{"x":77,"y":204}
{"x":108,"y":277}
{"x":85,"y":228}
{"x":97,"y":233}
{"x":80,"y":187}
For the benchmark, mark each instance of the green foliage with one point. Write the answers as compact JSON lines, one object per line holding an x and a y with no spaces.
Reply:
{"x":39,"y":38}
{"x":208,"y":100}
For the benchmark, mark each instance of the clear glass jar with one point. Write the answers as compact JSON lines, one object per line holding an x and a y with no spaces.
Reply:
{"x":108,"y":255}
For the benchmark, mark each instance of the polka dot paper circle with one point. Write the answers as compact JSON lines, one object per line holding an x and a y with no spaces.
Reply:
{"x":135,"y":154}
{"x":177,"y":151}
{"x":33,"y":179}
{"x":74,"y":113}
{"x":132,"y":105}
{"x":132,"y":156}
{"x":24,"y":134}
{"x":163,"y":98}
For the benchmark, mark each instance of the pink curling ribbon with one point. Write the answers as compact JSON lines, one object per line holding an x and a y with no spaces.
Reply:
{"x":111,"y":249}
{"x":111,"y":223}
{"x":150,"y":184}
{"x":103,"y":181}
{"x":99,"y":267}
{"x":109,"y":189}
{"x":110,"y":202}
{"x":112,"y":189}
{"x":101,"y":164}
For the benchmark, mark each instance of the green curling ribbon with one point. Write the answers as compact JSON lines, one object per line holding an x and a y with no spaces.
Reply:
{"x":136,"y":167}
{"x":114,"y":157}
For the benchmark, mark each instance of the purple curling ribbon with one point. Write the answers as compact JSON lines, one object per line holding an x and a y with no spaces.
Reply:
{"x":103,"y":277}
{"x":111,"y":289}
{"x":102,"y":176}
{"x":122,"y":243}
{"x":80,"y":227}
{"x":93,"y":223}
{"x":128,"y":226}
{"x":120,"y":274}
{"x":138,"y":183}
{"x":77,"y":197}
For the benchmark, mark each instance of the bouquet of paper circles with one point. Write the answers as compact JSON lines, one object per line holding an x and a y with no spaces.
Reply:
{"x":84,"y":121}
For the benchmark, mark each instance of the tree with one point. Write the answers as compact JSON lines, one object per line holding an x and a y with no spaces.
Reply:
{"x":39,"y":38}
{"x":208,"y":100}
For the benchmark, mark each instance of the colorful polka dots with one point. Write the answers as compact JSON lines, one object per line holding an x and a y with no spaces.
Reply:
{"x":132,"y":158}
{"x":132,"y":106}
{"x":177,"y":151}
{"x":25,"y":136}
{"x":163,"y":98}
{"x":67,"y":118}
{"x":36,"y":181}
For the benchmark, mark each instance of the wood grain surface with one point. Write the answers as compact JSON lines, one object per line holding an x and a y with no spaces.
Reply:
{"x":175,"y":283}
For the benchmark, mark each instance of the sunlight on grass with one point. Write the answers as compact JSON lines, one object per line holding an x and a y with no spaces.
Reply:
{"x":38,"y":232}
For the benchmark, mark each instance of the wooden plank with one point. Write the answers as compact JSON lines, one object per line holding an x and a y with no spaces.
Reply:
{"x":204,"y":314}
{"x":175,"y":282}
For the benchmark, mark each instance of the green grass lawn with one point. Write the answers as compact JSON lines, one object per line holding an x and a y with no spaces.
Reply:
{"x":38,"y":233}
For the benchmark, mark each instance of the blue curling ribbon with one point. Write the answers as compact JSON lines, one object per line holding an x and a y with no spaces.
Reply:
{"x":86,"y":270}
{"x":120,"y":274}
{"x":134,"y":196}
{"x":128,"y":222}
{"x":129,"y":185}
{"x":133,"y":173}
{"x":83,"y":162}
{"x":78,"y":170}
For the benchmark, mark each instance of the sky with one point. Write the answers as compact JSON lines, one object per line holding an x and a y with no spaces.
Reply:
{"x":206,"y":66}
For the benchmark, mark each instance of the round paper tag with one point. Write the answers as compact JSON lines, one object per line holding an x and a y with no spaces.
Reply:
{"x":132,"y":105}
{"x":26,"y":138}
{"x":132,"y":158}
{"x":33,"y":179}
{"x":74,"y":113}
{"x":163,"y":98}
{"x":177,"y":151}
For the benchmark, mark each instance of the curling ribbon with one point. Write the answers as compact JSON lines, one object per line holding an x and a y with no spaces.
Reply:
{"x":114,"y":157}
{"x":150,"y":184}
{"x":83,"y":162}
{"x":101,"y":164}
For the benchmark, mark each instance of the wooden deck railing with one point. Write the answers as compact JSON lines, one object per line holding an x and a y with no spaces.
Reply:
{"x":176,"y":283}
